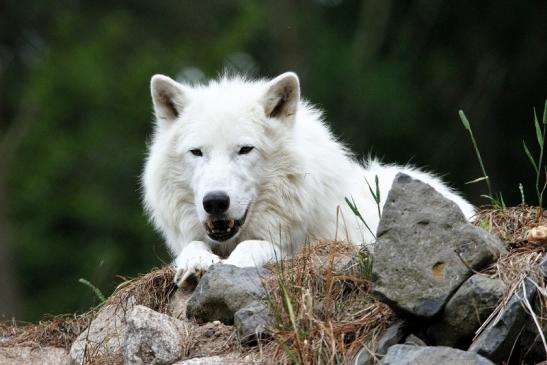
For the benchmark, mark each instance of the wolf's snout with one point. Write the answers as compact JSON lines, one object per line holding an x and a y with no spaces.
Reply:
{"x":216,"y":202}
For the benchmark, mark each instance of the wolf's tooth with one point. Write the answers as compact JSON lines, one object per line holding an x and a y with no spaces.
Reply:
{"x":210,"y":225}
{"x":231,"y":223}
{"x":229,"y":229}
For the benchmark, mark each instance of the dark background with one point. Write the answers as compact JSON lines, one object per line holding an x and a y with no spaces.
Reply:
{"x":75,"y":111}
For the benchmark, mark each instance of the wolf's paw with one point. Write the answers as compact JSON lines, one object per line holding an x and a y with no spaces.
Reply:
{"x":194,"y":261}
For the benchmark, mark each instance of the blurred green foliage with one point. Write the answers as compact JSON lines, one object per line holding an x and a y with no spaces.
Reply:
{"x":390,"y":75}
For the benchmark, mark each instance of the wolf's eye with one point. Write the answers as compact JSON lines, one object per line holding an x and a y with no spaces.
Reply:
{"x":196,"y":152}
{"x":245,"y":149}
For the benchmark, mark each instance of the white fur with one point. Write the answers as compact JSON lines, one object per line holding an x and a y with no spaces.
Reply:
{"x":294,"y":181}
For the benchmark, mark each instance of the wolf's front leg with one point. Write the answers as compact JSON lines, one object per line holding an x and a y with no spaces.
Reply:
{"x":253,"y":253}
{"x":194,"y":259}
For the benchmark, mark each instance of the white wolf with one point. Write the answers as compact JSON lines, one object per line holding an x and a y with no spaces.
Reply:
{"x":246,"y":171}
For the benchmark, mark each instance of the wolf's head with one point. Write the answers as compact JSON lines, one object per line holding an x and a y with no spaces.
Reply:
{"x":215,"y":140}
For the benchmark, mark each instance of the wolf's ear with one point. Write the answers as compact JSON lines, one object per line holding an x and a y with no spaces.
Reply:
{"x":169,"y":98}
{"x":282,"y":97}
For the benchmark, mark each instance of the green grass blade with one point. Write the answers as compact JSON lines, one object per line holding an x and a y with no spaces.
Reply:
{"x":538,"y":129}
{"x":479,"y":179}
{"x":527,"y":151}
{"x":355,"y":211}
{"x":95,"y":290}
{"x":464,"y":120}
{"x":375,"y":195}
{"x":291,"y":354}
{"x":476,"y":147}
{"x":503,"y":206}
{"x":545,"y":113}
{"x":371,"y":191}
{"x":377,"y":182}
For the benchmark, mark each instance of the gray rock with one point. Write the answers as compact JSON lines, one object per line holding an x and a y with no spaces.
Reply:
{"x":252,"y":323}
{"x":393,"y":335}
{"x":431,"y":355}
{"x":423,"y":240}
{"x":497,"y":339}
{"x":153,"y":338}
{"x":466,"y":310}
{"x":414,"y":340}
{"x":363,"y":357}
{"x":177,"y":303}
{"x":104,"y":336}
{"x":531,"y":344}
{"x":222,"y":291}
{"x":26,"y":355}
{"x":209,"y":360}
{"x":231,"y":358}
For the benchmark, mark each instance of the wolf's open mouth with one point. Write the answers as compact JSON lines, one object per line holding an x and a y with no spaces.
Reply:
{"x":220,"y":229}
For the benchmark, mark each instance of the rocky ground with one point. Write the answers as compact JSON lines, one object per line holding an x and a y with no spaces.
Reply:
{"x":436,"y":290}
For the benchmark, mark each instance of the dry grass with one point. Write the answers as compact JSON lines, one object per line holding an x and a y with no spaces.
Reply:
{"x":322,"y":306}
{"x":512,"y":224}
{"x":152,"y":290}
{"x":320,"y":299}
{"x":521,"y":265}
{"x":57,"y":331}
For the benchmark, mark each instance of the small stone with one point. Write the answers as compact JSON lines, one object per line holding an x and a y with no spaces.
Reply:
{"x":391,"y":336}
{"x":414,"y":340}
{"x":209,"y":360}
{"x":431,"y":355}
{"x":363,"y":357}
{"x":153,"y":338}
{"x":104,"y":336}
{"x":224,"y":290}
{"x":425,"y":249}
{"x":252,"y":323}
{"x":231,"y":359}
{"x":26,"y":355}
{"x":537,"y":234}
{"x":497,"y":339}
{"x":464,"y":313}
{"x":531,"y":344}
{"x":177,"y":303}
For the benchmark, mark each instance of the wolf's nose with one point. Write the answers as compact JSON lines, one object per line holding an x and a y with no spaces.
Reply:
{"x":216,"y":202}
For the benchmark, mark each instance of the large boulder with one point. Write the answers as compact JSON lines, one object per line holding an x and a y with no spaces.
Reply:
{"x":153,"y":338}
{"x":425,"y":249}
{"x":224,"y":290}
{"x":431,"y":355}
{"x":466,"y":310}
